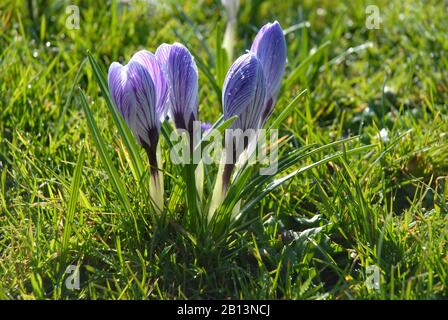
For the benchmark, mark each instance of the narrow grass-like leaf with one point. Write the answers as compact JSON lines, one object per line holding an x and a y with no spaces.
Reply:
{"x":107,"y":162}
{"x":276,"y":183}
{"x":289,"y":108}
{"x":298,"y":71}
{"x":73,"y":199}
{"x":209,"y":75}
{"x":287,"y":162}
{"x":69,"y":99}
{"x":221,"y":56}
{"x":297,"y":26}
{"x":196,"y":31}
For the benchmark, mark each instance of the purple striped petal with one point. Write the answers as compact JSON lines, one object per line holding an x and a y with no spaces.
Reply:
{"x":181,"y":74}
{"x":152,"y":64}
{"x":244,"y":92}
{"x":148,"y":121}
{"x":139,"y":91}
{"x":163,"y":53}
{"x":270,"y":47}
{"x":121,"y":93}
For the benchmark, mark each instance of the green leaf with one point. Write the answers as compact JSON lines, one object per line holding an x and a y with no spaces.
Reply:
{"x":74,"y":194}
{"x":221,"y":56}
{"x":289,"y":108}
{"x":298,"y":71}
{"x":69,"y":99}
{"x":278,"y":182}
{"x":286,"y":162}
{"x":101,"y":146}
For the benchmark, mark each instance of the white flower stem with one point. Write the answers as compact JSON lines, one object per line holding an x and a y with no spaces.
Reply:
{"x":217,"y":196}
{"x":156,"y":190}
{"x":199,"y":173}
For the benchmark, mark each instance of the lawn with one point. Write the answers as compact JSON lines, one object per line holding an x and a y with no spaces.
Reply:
{"x":362,"y":108}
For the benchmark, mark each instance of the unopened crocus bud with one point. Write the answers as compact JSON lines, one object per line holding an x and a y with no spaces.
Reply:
{"x":139,"y":91}
{"x":244,"y":92}
{"x":244,"y":95}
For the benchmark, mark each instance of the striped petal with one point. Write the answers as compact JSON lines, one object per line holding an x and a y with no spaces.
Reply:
{"x":152,"y":64}
{"x":244,"y":92}
{"x":181,"y":74}
{"x":148,"y":121}
{"x":163,"y":53}
{"x":121,"y":93}
{"x":270,"y":47}
{"x":140,"y":91}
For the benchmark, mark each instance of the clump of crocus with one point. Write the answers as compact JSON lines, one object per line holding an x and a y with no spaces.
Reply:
{"x":140,"y":91}
{"x":151,"y":86}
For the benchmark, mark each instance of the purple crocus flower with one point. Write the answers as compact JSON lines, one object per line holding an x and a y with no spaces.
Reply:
{"x":181,"y":74}
{"x":252,"y":85}
{"x":244,"y":95}
{"x":139,"y":91}
{"x":270,"y":47}
{"x":244,"y":92}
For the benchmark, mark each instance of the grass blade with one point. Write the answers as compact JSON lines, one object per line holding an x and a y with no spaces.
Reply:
{"x":282,"y":116}
{"x":74,"y":193}
{"x":276,"y":183}
{"x":100,"y":144}
{"x":297,"y":72}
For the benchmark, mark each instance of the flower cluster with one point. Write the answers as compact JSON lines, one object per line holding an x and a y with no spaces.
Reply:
{"x":154,"y":87}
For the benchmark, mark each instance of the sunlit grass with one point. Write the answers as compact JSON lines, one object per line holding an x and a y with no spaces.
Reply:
{"x":310,"y":238}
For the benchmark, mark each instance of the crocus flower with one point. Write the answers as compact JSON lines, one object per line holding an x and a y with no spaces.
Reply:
{"x":244,"y":96}
{"x":244,"y":92}
{"x":181,"y":74}
{"x":270,"y":47}
{"x":139,"y":91}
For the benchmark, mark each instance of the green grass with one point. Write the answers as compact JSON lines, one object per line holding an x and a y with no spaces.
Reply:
{"x":311,"y":238}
